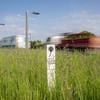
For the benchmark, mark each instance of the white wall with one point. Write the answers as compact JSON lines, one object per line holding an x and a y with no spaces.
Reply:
{"x":20,"y":41}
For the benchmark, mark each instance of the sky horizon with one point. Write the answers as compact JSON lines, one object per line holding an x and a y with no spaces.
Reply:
{"x":56,"y":16}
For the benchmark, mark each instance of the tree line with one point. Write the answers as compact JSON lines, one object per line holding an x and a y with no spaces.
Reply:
{"x":36,"y":44}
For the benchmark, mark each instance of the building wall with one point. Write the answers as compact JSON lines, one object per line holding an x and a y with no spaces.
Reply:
{"x":17,"y":41}
{"x":9,"y":41}
{"x":20,"y":41}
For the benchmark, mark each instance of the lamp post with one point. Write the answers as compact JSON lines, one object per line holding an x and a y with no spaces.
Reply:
{"x":26,"y":26}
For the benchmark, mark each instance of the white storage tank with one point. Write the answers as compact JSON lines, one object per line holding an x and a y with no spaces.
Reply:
{"x":55,"y":39}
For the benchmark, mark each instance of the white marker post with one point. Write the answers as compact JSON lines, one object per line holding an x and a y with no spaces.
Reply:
{"x":51,"y":65}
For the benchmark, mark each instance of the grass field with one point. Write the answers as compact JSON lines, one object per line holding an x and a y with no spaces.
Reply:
{"x":23,"y":75}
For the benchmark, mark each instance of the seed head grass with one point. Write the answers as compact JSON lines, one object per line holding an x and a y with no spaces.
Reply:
{"x":23,"y":75}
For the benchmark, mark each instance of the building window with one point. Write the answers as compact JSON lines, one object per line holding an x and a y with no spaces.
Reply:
{"x":12,"y":39}
{"x":4,"y":41}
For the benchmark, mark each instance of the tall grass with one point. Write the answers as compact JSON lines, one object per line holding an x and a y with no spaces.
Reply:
{"x":23,"y":75}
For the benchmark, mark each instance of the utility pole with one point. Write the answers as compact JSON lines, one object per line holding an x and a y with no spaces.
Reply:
{"x":26,"y":27}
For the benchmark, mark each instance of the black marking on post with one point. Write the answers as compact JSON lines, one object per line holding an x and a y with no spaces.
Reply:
{"x":51,"y":49}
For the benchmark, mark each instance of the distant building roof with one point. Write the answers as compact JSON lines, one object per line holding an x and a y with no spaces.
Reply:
{"x":13,"y":36}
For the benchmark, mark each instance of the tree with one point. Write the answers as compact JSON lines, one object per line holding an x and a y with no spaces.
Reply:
{"x":86,"y":34}
{"x":48,"y":39}
{"x":36,"y":44}
{"x":83,"y":34}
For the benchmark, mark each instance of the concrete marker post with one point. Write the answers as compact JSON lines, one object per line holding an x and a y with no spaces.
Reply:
{"x":51,"y":66}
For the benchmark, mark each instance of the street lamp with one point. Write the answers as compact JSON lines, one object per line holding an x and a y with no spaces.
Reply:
{"x":26,"y":26}
{"x":36,"y":13}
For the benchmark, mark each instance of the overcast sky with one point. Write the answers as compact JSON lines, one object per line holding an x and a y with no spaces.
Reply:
{"x":56,"y":16}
